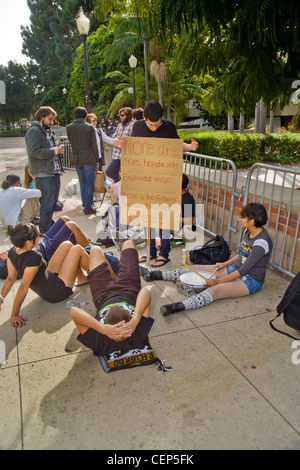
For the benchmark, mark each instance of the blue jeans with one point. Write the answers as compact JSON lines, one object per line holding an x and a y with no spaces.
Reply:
{"x":58,"y":233}
{"x":49,"y":187}
{"x":113,"y":169}
{"x":165,"y":246}
{"x":86,"y":175}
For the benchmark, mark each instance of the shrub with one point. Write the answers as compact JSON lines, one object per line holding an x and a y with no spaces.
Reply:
{"x":13,"y":133}
{"x":246,"y":149}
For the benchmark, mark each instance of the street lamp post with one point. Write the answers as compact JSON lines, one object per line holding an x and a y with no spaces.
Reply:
{"x":83,"y":26}
{"x":133,"y":62}
{"x":65,"y":92}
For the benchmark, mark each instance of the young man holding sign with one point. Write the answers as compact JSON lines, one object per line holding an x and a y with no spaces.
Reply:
{"x":153,"y":125}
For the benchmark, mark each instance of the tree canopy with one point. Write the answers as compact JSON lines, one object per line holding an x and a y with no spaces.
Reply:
{"x":225,"y":54}
{"x":20,"y":85}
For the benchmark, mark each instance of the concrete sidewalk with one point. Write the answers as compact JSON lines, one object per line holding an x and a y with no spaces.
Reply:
{"x":233,"y":386}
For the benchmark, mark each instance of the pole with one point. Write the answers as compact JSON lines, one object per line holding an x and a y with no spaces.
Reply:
{"x":133,"y":82}
{"x":86,"y":76}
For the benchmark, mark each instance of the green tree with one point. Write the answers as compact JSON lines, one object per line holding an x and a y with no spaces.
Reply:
{"x":251,"y":47}
{"x":20,"y":92}
{"x":52,"y":38}
{"x":103,"y":90}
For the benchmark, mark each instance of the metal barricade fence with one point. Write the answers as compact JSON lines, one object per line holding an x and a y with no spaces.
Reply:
{"x":212,"y":181}
{"x":277,"y":188}
{"x":66,"y":162}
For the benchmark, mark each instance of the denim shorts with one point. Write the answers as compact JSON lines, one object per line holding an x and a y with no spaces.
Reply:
{"x":252,"y":285}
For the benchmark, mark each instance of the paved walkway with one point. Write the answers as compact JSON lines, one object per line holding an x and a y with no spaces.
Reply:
{"x":234,"y":384}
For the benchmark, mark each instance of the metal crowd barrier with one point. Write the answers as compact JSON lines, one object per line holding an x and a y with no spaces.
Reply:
{"x":212,"y":181}
{"x":277,"y":188}
{"x":214,"y":185}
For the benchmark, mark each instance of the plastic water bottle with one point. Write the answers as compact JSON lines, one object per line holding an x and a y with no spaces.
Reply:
{"x":75,"y":303}
{"x":183,"y":257}
{"x":2,"y":353}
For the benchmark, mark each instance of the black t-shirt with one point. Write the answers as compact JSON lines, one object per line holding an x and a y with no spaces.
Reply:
{"x":187,"y":205}
{"x":45,"y":283}
{"x":102,"y":344}
{"x":167,"y":130}
{"x":26,"y":260}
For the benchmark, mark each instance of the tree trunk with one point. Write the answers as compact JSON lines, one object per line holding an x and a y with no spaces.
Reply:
{"x":146,"y":70}
{"x":168,"y":103}
{"x":271,"y":119}
{"x":230,"y":120}
{"x":257,"y":118}
{"x":263,"y":117}
{"x":242,"y":123}
{"x":160,"y":95}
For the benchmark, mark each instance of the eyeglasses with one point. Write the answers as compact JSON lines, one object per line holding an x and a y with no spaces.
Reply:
{"x":153,"y":126}
{"x":122,"y":115}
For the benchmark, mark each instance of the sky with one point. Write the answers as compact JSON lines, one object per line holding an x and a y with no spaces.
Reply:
{"x":13,"y":14}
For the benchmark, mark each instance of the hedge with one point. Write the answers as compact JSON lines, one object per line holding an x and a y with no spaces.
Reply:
{"x":246,"y":149}
{"x":13,"y":133}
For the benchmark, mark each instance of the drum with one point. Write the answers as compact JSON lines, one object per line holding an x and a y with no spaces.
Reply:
{"x":190,"y":283}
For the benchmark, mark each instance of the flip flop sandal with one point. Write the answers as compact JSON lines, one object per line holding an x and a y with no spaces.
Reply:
{"x":144,"y":258}
{"x":161,"y":261}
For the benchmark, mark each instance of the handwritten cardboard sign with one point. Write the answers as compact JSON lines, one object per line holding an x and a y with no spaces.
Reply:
{"x":151,"y":180}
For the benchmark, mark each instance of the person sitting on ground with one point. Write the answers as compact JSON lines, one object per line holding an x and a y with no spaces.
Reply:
{"x":238,"y":277}
{"x":52,"y":283}
{"x":187,"y":203}
{"x":12,"y":196}
{"x":64,"y":229}
{"x":187,"y":208}
{"x":32,"y":205}
{"x":115,"y":328}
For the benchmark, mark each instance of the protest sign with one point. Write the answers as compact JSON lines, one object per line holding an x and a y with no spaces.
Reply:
{"x":151,"y":180}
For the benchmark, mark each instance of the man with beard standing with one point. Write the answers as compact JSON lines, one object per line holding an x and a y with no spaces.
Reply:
{"x":44,"y":158}
{"x":124,"y":129}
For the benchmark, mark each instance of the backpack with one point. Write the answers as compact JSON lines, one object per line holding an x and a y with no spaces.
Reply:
{"x":216,"y":250}
{"x":290,"y":306}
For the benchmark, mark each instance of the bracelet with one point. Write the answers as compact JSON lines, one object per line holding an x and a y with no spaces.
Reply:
{"x":2,"y":298}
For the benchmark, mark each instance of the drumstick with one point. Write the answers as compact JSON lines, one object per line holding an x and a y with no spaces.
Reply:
{"x":196,"y":272}
{"x":212,"y":274}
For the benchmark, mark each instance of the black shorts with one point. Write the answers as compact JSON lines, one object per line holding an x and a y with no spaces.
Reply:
{"x":54,"y":290}
{"x":129,"y":280}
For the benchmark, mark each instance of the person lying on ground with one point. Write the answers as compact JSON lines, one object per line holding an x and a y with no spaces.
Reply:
{"x":52,"y":282}
{"x":122,"y":321}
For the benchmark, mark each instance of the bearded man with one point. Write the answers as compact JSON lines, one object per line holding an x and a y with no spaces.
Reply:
{"x":44,"y":159}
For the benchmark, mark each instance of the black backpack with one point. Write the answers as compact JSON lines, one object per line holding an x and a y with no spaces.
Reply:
{"x":216,"y":250}
{"x":290,"y":306}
